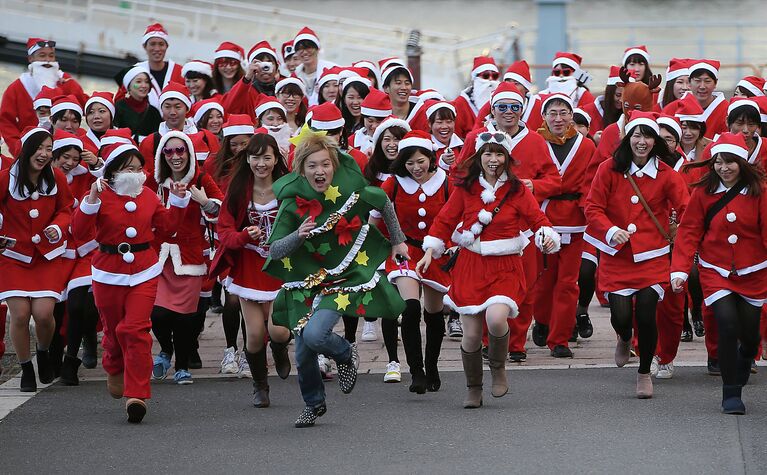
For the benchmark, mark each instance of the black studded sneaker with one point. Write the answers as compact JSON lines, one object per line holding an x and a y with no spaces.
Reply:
{"x":347,"y":372}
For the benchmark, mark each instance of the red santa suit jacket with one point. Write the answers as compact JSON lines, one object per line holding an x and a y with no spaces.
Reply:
{"x":715,"y":115}
{"x":242,"y":99}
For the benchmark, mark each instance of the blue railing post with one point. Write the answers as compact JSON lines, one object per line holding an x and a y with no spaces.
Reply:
{"x":552,"y":34}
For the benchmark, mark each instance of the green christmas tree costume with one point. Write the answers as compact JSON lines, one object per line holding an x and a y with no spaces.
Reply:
{"x":336,"y":266}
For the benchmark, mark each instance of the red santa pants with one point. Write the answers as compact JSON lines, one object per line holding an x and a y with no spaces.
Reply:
{"x":518,"y":326}
{"x":556,"y":292}
{"x":3,"y":313}
{"x":669,"y":318}
{"x":126,"y":317}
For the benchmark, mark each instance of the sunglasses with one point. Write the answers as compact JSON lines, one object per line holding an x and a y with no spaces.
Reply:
{"x":170,"y":152}
{"x":46,"y":44}
{"x":487,"y":75}
{"x":227,"y":62}
{"x":497,"y":137}
{"x":565,"y":72}
{"x":508,"y":107}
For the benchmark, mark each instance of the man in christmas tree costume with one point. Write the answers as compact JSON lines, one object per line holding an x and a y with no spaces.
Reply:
{"x":323,"y":249}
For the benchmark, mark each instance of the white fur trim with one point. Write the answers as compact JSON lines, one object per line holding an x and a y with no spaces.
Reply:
{"x":476,"y":309}
{"x":238,"y":130}
{"x":392,"y":122}
{"x":545,"y":231}
{"x":436,"y":245}
{"x":270,"y":105}
{"x":88,"y":208}
{"x":198,"y":67}
{"x":415,"y":142}
{"x":476,"y":228}
{"x":642,"y":121}
{"x":440,"y":105}
{"x":488,"y":195}
{"x":66,"y":106}
{"x":246,"y":293}
{"x":729,"y":148}
{"x":174,"y":251}
{"x":126,"y":280}
{"x":175,"y":95}
{"x":485,"y":216}
{"x":287,"y":81}
{"x":510,"y":95}
{"x":158,"y":157}
{"x":100,"y":100}
{"x":205,"y":108}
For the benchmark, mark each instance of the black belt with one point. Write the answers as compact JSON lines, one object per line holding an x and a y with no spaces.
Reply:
{"x":414,"y":242}
{"x":566,"y":197}
{"x":123,"y":248}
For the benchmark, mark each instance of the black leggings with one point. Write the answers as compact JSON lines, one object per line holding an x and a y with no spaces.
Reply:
{"x":696,"y":295}
{"x":174,"y":332}
{"x":232,"y":320}
{"x":83,"y":317}
{"x":622,"y":311}
{"x":198,"y":320}
{"x":738,"y":321}
{"x":389,"y":329}
{"x":586,"y":282}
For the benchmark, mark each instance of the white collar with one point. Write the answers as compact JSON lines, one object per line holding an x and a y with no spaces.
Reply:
{"x":650,"y":168}
{"x":431,"y":186}
{"x":89,"y":133}
{"x":267,"y":207}
{"x":488,"y":192}
{"x":12,"y":185}
{"x":382,"y":177}
{"x":189,"y":127}
{"x":455,"y":141}
{"x":723,"y":189}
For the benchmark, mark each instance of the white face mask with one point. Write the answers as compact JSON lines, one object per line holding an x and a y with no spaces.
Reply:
{"x":45,"y":122}
{"x":483,"y":91}
{"x":129,"y":183}
{"x":45,"y":73}
{"x":281,"y":134}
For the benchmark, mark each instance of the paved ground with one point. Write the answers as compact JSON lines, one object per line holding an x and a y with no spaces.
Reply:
{"x":583,"y":421}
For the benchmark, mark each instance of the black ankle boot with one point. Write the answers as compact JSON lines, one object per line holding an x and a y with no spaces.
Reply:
{"x":90,"y":350}
{"x":743,"y":368}
{"x":28,"y":378}
{"x":259,"y":371}
{"x":731,"y":401}
{"x":69,"y":368}
{"x":411,"y":341}
{"x":281,"y":358}
{"x":435,"y":333}
{"x":44,"y":366}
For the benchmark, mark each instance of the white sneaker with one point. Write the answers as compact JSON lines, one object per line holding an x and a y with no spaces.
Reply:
{"x":369,"y":331}
{"x":243,"y":371}
{"x":665,"y":371}
{"x":229,"y":363}
{"x":325,"y":367}
{"x":393,"y":374}
{"x":654,"y":366}
{"x":454,"y":328}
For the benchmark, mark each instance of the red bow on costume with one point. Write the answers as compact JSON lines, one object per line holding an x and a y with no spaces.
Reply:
{"x":344,"y":228}
{"x":311,"y":207}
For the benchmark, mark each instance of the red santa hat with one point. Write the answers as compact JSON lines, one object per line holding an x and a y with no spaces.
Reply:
{"x":262,"y":47}
{"x":159,"y":156}
{"x":506,"y":90}
{"x":198,"y":66}
{"x":238,"y":124}
{"x":433,"y":106}
{"x":29,"y":132}
{"x":519,"y":71}
{"x":389,"y":122}
{"x":62,"y":138}
{"x":45,"y":97}
{"x":614,"y":77}
{"x":416,"y":138}
{"x":753,"y":84}
{"x":201,"y":148}
{"x":376,"y":104}
{"x":307,"y":34}
{"x":178,"y":91}
{"x":123,"y":135}
{"x":106,"y":99}
{"x":132,"y":73}
{"x":325,"y":116}
{"x":731,"y":143}
{"x":284,"y":82}
{"x":230,"y":50}
{"x":672,"y":122}
{"x":677,"y":67}
{"x":762,"y":102}
{"x":269,"y":102}
{"x":688,"y":109}
{"x":34,"y":44}
{"x":641,"y":50}
{"x":63,"y":103}
{"x":580,"y":112}
{"x":637,"y":118}
{"x":710,"y":65}
{"x":200,"y":108}
{"x":155,"y":30}
{"x":349,"y":80}
{"x":737,"y":102}
{"x":396,"y":68}
{"x":328,"y":74}
{"x":547,"y":98}
{"x":482,"y":64}
{"x":386,"y":63}
{"x":370,"y":67}
{"x":111,"y":151}
{"x":568,"y":59}
{"x":287,"y":50}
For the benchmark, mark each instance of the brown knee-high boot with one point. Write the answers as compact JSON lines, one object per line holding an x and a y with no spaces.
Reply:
{"x":472,"y":368}
{"x":257,"y":363}
{"x":497,"y":350}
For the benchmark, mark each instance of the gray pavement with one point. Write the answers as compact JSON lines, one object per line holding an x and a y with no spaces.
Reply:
{"x":568,"y":420}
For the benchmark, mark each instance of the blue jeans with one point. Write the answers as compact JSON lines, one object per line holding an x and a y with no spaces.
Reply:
{"x":317,"y":337}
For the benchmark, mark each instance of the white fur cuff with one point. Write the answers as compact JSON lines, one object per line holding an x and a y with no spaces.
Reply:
{"x":545,"y":231}
{"x":436,"y":245}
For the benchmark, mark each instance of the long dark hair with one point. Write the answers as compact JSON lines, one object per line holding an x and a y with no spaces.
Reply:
{"x":218,"y":79}
{"x":623,"y":155}
{"x":398,"y":165}
{"x":237,"y":195}
{"x":611,"y":113}
{"x":302,"y":108}
{"x":638,"y":58}
{"x":752,"y":175}
{"x":668,"y":93}
{"x":119,"y":162}
{"x":224,"y":160}
{"x":471,"y":168}
{"x":351,"y":124}
{"x":378,"y":162}
{"x":24,"y":185}
{"x":209,"y":87}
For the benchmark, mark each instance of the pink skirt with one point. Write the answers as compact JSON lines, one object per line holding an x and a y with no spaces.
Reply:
{"x":178,"y":293}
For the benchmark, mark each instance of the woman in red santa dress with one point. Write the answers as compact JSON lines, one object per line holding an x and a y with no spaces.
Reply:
{"x":488,"y":205}
{"x":374,"y":109}
{"x":127,"y":217}
{"x":198,"y":77}
{"x":726,"y":223}
{"x":35,"y":211}
{"x":448,"y":145}
{"x":291,"y":93}
{"x":353,"y":92}
{"x":82,"y":315}
{"x":99,"y":116}
{"x":704,"y":77}
{"x":677,"y":83}
{"x":181,"y":255}
{"x":606,"y":108}
{"x":244,"y":225}
{"x":209,"y":115}
{"x":634,"y":260}
{"x":227,"y":66}
{"x":419,"y":189}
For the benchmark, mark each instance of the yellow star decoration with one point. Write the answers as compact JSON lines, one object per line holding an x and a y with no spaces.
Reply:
{"x":342,"y":301}
{"x":286,"y":263}
{"x":305,"y":133}
{"x":332,"y":194}
{"x":362,"y":258}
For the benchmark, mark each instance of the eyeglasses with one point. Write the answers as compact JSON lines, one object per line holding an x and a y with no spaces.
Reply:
{"x":227,"y":62}
{"x":516,"y":108}
{"x":290,"y":94}
{"x":487,"y":75}
{"x":565,"y":72}
{"x":555,"y":114}
{"x":46,"y":44}
{"x":172,"y":151}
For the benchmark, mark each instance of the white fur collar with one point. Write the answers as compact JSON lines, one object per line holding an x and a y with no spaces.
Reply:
{"x":455,"y":141}
{"x":189,"y":127}
{"x":76,"y":171}
{"x":488,"y":191}
{"x":12,"y":186}
{"x":431,"y":186}
{"x":382,"y":177}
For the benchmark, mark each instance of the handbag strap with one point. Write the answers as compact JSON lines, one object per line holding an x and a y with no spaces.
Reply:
{"x":721,"y":203}
{"x":662,"y":231}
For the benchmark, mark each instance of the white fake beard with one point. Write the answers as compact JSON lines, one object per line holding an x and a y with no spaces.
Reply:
{"x":482,"y":91}
{"x":567,"y":86}
{"x":129,"y":183}
{"x":281,"y":134}
{"x":43,"y":75}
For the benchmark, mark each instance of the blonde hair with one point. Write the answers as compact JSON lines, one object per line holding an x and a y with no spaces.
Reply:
{"x":314,"y":144}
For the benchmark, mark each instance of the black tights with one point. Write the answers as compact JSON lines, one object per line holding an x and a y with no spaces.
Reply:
{"x":389,"y":329}
{"x":198,"y":320}
{"x":586,"y":283}
{"x":738,"y":321}
{"x":232,"y":320}
{"x":622,"y":311}
{"x":83,"y":317}
{"x":174,"y":331}
{"x":693,"y":302}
